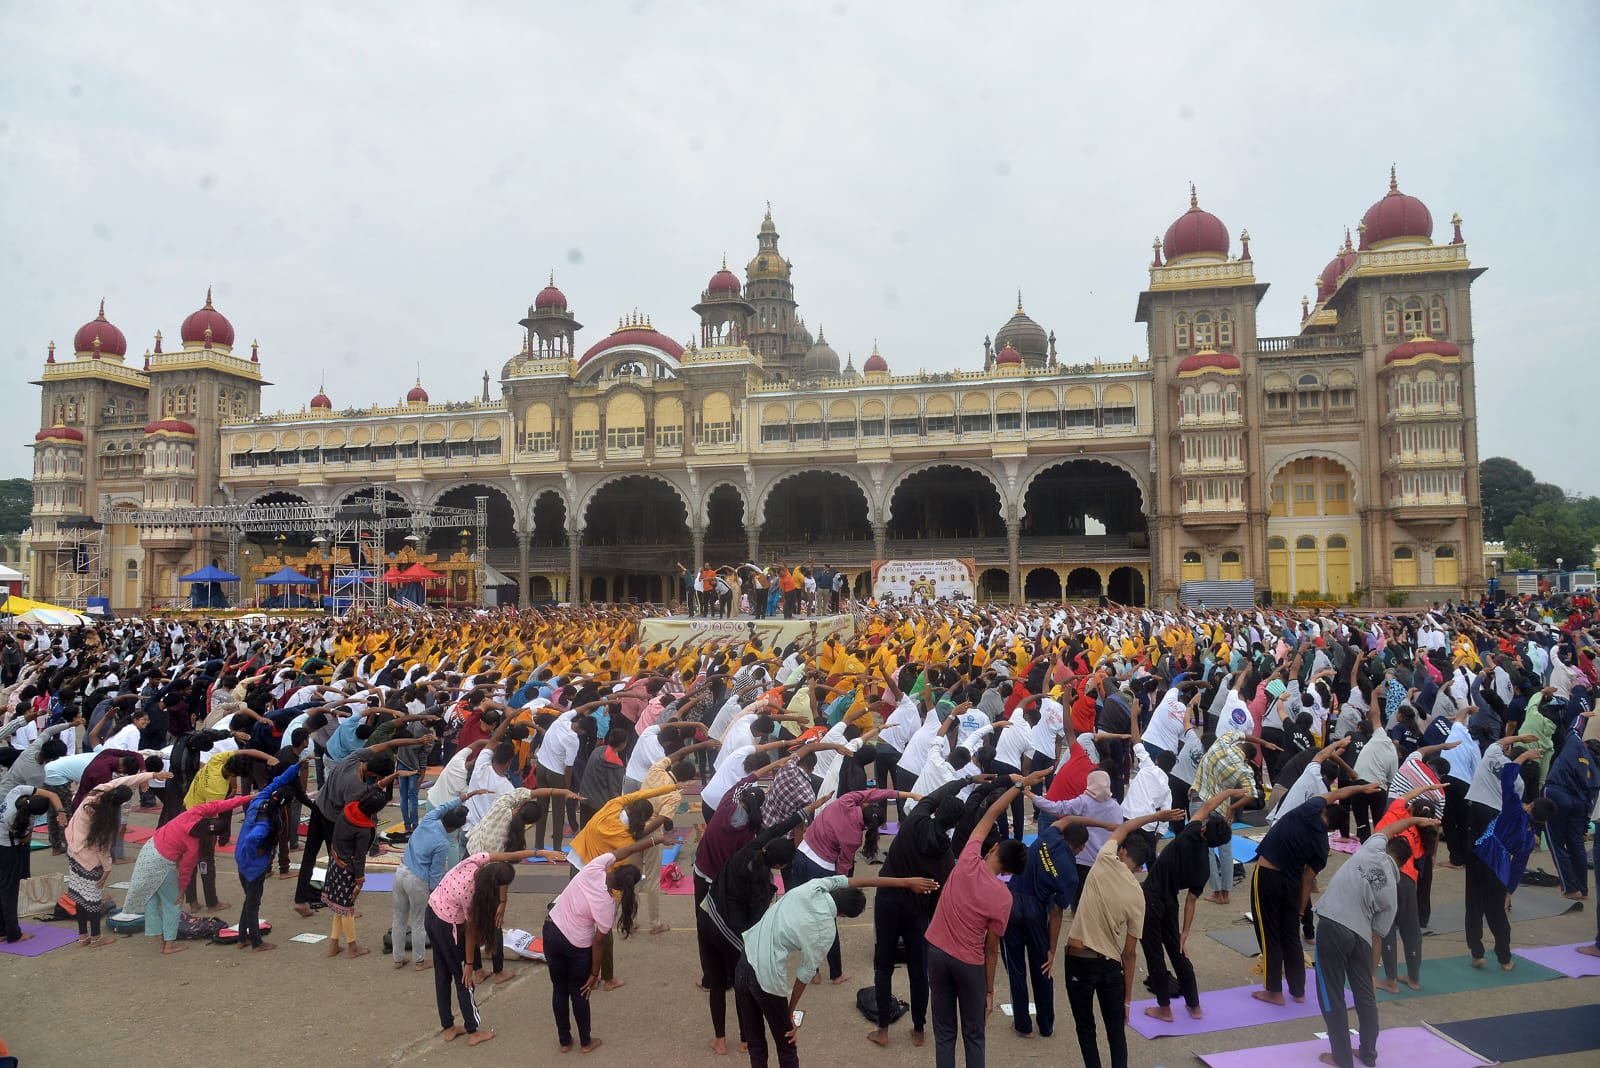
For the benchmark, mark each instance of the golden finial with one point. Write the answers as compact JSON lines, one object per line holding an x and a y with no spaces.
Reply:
{"x":208,"y":296}
{"x":1394,"y":186}
{"x":102,"y":308}
{"x":1194,"y":200}
{"x":1019,"y":302}
{"x":724,"y":261}
{"x":1244,"y":235}
{"x":552,"y":276}
{"x":51,"y":358}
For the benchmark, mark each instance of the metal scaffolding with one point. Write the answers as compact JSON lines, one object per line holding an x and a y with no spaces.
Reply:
{"x":78,"y":568}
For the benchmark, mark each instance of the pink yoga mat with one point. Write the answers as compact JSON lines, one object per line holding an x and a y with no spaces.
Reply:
{"x":1564,"y":959}
{"x":45,"y":938}
{"x":1225,"y":1010}
{"x":1397,"y":1045}
{"x":135,"y":835}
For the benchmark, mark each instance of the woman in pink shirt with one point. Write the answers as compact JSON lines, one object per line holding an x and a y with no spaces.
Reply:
{"x":464,"y":911}
{"x":166,"y":863}
{"x":603,"y":893}
{"x":90,"y":833}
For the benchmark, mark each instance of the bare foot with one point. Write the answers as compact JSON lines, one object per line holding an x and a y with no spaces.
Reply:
{"x":288,"y":875}
{"x":166,"y":947}
{"x":719,"y":1046}
{"x":1589,"y":951}
{"x":1219,"y":898}
{"x":594,"y":1044}
{"x":422,"y":965}
{"x":478,"y":1038}
{"x":1575,"y":895}
{"x":452,"y":1033}
{"x":1412,"y":983}
{"x":1508,"y":965}
{"x":221,"y":906}
{"x":612,"y":984}
{"x":1196,"y":1013}
{"x":479,"y":976}
{"x":303,"y":911}
{"x":661,"y":928}
{"x":504,"y":977}
{"x":103,"y":940}
{"x":333,"y":948}
{"x":264,"y":947}
{"x":399,"y":964}
{"x":1327,"y":1058}
{"x":1477,"y":962}
{"x":839,"y":979}
{"x":1299,"y":999}
{"x":358,"y":951}
{"x":1391,"y":986}
{"x":918,"y":1038}
{"x":1022,"y":1034}
{"x":1159,"y":1012}
{"x":1267,"y":996}
{"x":880,"y":1036}
{"x":124,"y":860}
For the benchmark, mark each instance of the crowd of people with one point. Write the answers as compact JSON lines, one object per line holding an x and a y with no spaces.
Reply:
{"x":1051,"y":772}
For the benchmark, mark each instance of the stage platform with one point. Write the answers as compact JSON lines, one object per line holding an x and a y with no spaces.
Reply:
{"x":695,"y":630}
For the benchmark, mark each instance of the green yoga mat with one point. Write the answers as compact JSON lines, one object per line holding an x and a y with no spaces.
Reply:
{"x":1456,"y":975}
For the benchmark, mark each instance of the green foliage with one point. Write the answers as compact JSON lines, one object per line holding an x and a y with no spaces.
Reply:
{"x":1395,"y":598}
{"x":1556,"y":529}
{"x":1508,"y":490}
{"x":16,"y":501}
{"x":1520,"y":560}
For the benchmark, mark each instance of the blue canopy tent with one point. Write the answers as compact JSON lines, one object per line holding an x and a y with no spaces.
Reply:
{"x":206,"y":588}
{"x":291,"y":597}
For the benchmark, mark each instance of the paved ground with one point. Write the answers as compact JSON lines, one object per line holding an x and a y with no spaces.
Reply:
{"x":125,"y":1004}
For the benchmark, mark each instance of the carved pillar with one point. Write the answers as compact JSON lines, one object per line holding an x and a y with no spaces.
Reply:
{"x":752,"y":537}
{"x":698,"y":534}
{"x":574,"y":590}
{"x":524,"y":581}
{"x":1013,"y":560}
{"x":880,"y":541}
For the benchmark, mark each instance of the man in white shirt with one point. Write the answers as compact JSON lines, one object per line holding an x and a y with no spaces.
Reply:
{"x":489,"y":780}
{"x":553,"y":771}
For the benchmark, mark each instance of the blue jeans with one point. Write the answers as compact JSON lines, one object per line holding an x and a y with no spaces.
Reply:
{"x":410,"y":788}
{"x":1023,"y":949}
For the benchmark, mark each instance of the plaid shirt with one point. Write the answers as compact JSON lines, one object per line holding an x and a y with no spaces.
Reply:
{"x":1224,"y":767}
{"x":789,"y":793}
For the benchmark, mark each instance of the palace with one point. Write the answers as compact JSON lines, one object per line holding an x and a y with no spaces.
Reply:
{"x":1336,"y":462}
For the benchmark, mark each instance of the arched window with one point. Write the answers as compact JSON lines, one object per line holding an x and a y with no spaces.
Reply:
{"x":222,"y":403}
{"x":1232,"y":569}
{"x":1308,"y":393}
{"x":1191,"y":557}
{"x":1230,"y":400}
{"x":1305,"y":541}
{"x":1438,"y":318}
{"x":1445,"y":569}
{"x":1391,"y":318}
{"x":1180,"y":332}
{"x":1337,"y":541}
{"x":1451,"y":398}
{"x":1205,"y":334}
{"x":1194,"y":569}
{"x":1405,"y":566}
{"x":1427,"y":389}
{"x":1276,"y":544}
{"x":1411,"y":319}
{"x":1225,"y":330}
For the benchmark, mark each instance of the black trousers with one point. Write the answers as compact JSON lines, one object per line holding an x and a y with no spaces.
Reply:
{"x":569,"y":970}
{"x":1011,"y":827}
{"x":1345,"y":957}
{"x":1275,"y":903}
{"x":208,"y":833}
{"x":1456,"y":830}
{"x":1406,"y":932}
{"x":319,"y":832}
{"x":1091,"y":980}
{"x":448,"y":961}
{"x":884,"y":766}
{"x":899,"y":920}
{"x":1023,"y":949}
{"x":1367,"y":809}
{"x":250,"y":911}
{"x":15,"y":866}
{"x":1161,"y":940}
{"x":1486,"y":894}
{"x":959,"y":991}
{"x":760,"y":1012}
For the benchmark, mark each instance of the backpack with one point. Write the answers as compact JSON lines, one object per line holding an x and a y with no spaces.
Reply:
{"x":867,"y":1002}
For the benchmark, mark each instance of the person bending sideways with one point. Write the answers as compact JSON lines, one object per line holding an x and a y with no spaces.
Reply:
{"x":964,"y":937}
{"x":1359,"y":905}
{"x":1104,"y":938}
{"x":804,"y":921}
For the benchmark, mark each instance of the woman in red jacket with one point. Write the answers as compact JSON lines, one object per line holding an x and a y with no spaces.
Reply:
{"x":166,"y":863}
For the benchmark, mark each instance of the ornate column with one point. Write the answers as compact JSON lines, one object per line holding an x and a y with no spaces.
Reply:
{"x":574,"y":589}
{"x":524,"y":582}
{"x":880,"y":541}
{"x":1013,"y":560}
{"x":752,"y":539}
{"x":698,"y":535}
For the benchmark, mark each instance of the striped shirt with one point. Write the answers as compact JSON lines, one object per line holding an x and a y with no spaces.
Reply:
{"x":1412,"y":774}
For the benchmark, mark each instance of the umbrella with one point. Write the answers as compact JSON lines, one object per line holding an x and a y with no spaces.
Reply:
{"x":209,"y":573}
{"x":286,"y":576}
{"x":394,"y":577}
{"x":54,"y":617}
{"x":420,"y":571}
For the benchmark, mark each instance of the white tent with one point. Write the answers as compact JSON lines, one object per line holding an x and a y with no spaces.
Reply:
{"x":10,"y":575}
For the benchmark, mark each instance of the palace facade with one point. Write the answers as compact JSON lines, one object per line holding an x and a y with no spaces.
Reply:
{"x":1338,"y":461}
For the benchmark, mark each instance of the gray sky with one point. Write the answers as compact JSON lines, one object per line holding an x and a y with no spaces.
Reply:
{"x":374,"y":187}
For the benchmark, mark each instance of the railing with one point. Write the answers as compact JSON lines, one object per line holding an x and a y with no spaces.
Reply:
{"x":1295,"y":343}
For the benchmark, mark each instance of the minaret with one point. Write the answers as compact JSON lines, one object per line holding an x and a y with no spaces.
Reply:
{"x":768,"y":288}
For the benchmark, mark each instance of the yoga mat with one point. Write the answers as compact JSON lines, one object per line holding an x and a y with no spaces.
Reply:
{"x":683,"y":888}
{"x":1244,"y":849}
{"x":1525,"y":1035}
{"x":1456,"y":975}
{"x":670,"y":854}
{"x":134,"y":835}
{"x":889,"y":828}
{"x":539,"y":882}
{"x":1451,"y":917}
{"x":1226,"y":1010}
{"x":1564,"y":959}
{"x":378,"y":883}
{"x":1396,"y":1045}
{"x":45,"y":938}
{"x":1239,"y":939}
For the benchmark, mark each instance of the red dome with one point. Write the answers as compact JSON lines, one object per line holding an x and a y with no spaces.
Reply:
{"x":1411,"y":350}
{"x":1335,"y":270}
{"x":634,"y":334}
{"x":321,"y":401}
{"x":170,"y":426}
{"x":1201,"y":362}
{"x":193,"y":331}
{"x":723,"y":283}
{"x":59,"y":433}
{"x":1195,"y":233}
{"x":550,"y":297}
{"x":875,"y":362}
{"x":1397,"y":215}
{"x":112,"y":343}
{"x":1008,"y":355}
{"x":417,"y":395}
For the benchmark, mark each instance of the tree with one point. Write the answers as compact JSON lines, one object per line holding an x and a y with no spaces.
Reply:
{"x":1554,"y":530}
{"x":16,"y":502}
{"x":1508,"y":490}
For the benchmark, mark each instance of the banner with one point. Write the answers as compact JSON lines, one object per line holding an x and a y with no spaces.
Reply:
{"x":924,"y":580}
{"x":685,"y":631}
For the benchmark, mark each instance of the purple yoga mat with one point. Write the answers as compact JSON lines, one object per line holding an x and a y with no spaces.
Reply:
{"x":379,"y":882}
{"x":1396,"y":1045}
{"x":45,"y":938}
{"x":1224,"y":1011}
{"x":1564,"y":959}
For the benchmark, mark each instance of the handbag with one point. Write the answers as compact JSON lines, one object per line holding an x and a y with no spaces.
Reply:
{"x":37,"y":896}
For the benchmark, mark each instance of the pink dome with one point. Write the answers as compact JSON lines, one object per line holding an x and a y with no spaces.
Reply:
{"x":1201,"y":362}
{"x":1008,"y":355}
{"x":550,"y":297}
{"x":193,"y":331}
{"x":112,"y":343}
{"x":1336,"y":269}
{"x":634,"y":332}
{"x":1413,"y":350}
{"x":321,"y":401}
{"x":169,"y":426}
{"x":59,"y":433}
{"x":1398,"y":215}
{"x":1195,"y":233}
{"x":875,"y":362}
{"x":417,"y":395}
{"x":723,"y":284}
